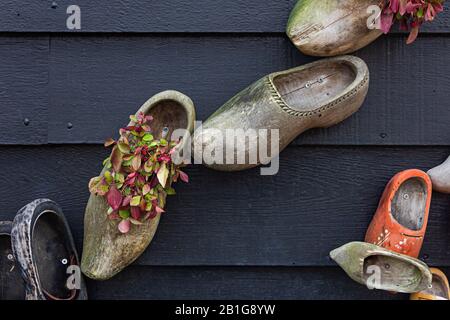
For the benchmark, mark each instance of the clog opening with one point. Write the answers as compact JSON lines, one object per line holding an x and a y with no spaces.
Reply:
{"x":168,"y":114}
{"x":311,"y":88}
{"x":409,"y":203}
{"x":52,"y":257}
{"x":389,"y":273}
{"x":11,"y":283}
{"x":438,"y":288}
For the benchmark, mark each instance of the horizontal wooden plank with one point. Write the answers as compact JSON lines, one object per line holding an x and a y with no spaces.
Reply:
{"x":159,"y":16}
{"x":23,"y":89}
{"x":96,"y":82}
{"x":323,"y":197}
{"x":181,"y":283}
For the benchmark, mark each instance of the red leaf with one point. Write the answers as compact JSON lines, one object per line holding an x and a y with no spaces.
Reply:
{"x":116,"y":159}
{"x":124,"y":226}
{"x":126,"y":201}
{"x":413,"y":35}
{"x":114,"y":198}
{"x":136,"y":213}
{"x":184,"y":177}
{"x":136,"y":162}
{"x":159,"y":210}
{"x":109,"y":142}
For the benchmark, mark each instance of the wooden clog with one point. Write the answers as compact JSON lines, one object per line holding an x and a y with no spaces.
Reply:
{"x":440,"y":176}
{"x":330,"y":27}
{"x":105,"y":250}
{"x":440,"y":289}
{"x":379,"y":268}
{"x":319,"y":94}
{"x":44,"y":250}
{"x":401,"y":219}
{"x":12,"y":287}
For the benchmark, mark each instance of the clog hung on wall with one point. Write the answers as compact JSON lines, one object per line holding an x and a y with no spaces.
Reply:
{"x":113,"y":240}
{"x":379,"y":268}
{"x":316,"y":95}
{"x":401,"y":219}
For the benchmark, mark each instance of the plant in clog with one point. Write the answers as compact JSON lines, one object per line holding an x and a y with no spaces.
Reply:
{"x":440,"y":289}
{"x":129,"y":196}
{"x":317,"y":95}
{"x":379,"y":268}
{"x":440,"y":176}
{"x":401,"y":219}
{"x":411,"y":14}
{"x":330,"y":27}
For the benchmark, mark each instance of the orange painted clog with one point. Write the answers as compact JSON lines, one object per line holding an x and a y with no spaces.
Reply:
{"x":402,"y":215}
{"x":440,"y":289}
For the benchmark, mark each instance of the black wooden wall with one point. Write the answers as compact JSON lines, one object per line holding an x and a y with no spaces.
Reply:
{"x":226,"y":235}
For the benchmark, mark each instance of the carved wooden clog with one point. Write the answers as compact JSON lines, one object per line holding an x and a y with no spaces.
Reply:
{"x":44,"y":250}
{"x":330,"y":27}
{"x":12,"y":287}
{"x":440,"y":176}
{"x":379,"y":268}
{"x":402,"y":215}
{"x":319,"y":94}
{"x":440,"y":289}
{"x":106,"y":251}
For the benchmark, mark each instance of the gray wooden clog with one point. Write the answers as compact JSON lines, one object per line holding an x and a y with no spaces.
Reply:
{"x":45,"y":253}
{"x":106,"y":252}
{"x":12,"y":286}
{"x":440,"y":177}
{"x":379,"y":268}
{"x":331,"y":27}
{"x":319,"y":94}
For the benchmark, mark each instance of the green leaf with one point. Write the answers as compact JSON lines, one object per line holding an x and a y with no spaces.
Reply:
{"x":170,"y":191}
{"x":147,"y":137}
{"x":124,"y":214}
{"x":135,"y":222}
{"x":135,"y":201}
{"x":124,"y":148}
{"x":108,"y":177}
{"x":162,"y":175}
{"x":148,"y":166}
{"x":119,"y":178}
{"x":163,"y":142}
{"x":153,"y":144}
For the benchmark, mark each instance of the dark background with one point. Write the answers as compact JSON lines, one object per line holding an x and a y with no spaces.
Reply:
{"x":226,"y":235}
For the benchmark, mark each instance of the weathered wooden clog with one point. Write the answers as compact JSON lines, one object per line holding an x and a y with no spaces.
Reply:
{"x":330,"y":27}
{"x":319,"y":94}
{"x":440,"y":289}
{"x":12,"y":287}
{"x":379,"y":268}
{"x":106,"y":251}
{"x":401,"y":219}
{"x":44,"y":250}
{"x":440,"y":176}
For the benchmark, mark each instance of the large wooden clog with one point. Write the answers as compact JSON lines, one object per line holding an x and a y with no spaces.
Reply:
{"x":319,"y":94}
{"x":379,"y":268}
{"x":106,"y":251}
{"x":332,"y":27}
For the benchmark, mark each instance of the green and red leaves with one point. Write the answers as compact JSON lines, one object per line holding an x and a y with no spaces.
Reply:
{"x":138,"y":175}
